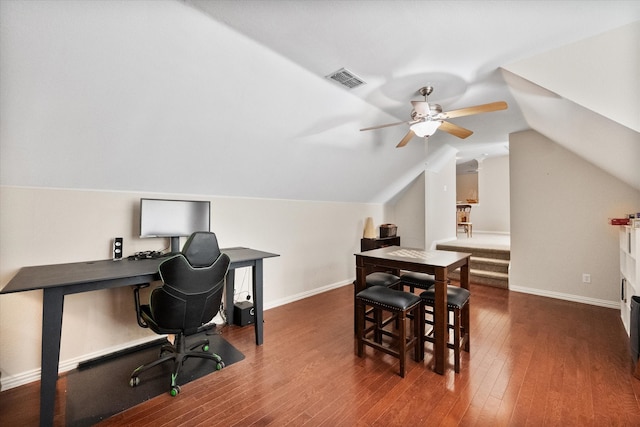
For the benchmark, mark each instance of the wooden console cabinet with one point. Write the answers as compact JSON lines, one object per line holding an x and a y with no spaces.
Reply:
{"x":380,"y":242}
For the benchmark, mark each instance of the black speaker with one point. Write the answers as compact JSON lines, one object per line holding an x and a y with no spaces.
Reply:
{"x":117,"y":248}
{"x":243,"y":313}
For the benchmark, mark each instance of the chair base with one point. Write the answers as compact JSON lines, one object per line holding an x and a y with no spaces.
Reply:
{"x":177,"y":353}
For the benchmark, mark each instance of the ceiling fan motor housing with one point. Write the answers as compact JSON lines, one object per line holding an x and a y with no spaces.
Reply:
{"x":434,"y":110}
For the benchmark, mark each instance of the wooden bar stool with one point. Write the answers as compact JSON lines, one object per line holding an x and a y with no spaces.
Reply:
{"x":417,"y":280}
{"x":457,"y":298}
{"x":380,"y":278}
{"x":400,"y":304}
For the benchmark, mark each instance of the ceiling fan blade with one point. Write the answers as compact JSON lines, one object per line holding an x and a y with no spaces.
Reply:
{"x":455,"y":130}
{"x":484,"y":108}
{"x":385,"y":126}
{"x":406,"y":139}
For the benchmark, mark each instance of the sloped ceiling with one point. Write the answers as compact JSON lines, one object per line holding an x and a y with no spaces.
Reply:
{"x":584,"y":55}
{"x":229,"y":98}
{"x":601,"y":124}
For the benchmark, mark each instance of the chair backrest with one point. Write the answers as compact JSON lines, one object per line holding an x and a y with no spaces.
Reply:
{"x":463,"y":213}
{"x":193,"y":281}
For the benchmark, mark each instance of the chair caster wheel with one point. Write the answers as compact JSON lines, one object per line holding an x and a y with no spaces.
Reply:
{"x":134,"y":381}
{"x":219,"y":365}
{"x":205,"y":347}
{"x":174,"y":391}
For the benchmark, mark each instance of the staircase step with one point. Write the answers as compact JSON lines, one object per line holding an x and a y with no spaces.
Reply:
{"x":489,"y":278}
{"x":478,"y":252}
{"x":490,"y":264}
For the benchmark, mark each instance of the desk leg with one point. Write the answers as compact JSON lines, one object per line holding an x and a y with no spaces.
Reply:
{"x":229,"y":290}
{"x":464,"y":283}
{"x":440,"y":321}
{"x":53,"y":301}
{"x":257,"y":300}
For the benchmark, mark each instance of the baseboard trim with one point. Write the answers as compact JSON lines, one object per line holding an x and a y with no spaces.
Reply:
{"x":566,"y":297}
{"x":303,"y":295}
{"x":30,"y":376}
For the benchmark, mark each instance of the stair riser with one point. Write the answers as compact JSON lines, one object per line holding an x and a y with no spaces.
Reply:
{"x":481,"y":280}
{"x":489,"y":266}
{"x":479,"y":253}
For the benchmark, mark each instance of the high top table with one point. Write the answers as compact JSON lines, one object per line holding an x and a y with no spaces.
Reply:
{"x":59,"y":280}
{"x":438,"y":263}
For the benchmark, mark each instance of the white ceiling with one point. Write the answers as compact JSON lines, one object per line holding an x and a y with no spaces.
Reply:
{"x":229,"y":98}
{"x":396,"y":47}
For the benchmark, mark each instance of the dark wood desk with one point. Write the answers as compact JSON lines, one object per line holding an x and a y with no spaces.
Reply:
{"x":438,"y":263}
{"x":63,"y":279}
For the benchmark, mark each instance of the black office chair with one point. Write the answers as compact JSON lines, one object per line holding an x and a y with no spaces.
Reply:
{"x":190,"y":296}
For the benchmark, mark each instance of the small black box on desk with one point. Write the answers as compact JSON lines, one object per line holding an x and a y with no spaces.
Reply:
{"x":243,"y":313}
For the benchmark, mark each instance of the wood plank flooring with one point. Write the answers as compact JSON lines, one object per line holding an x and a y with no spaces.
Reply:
{"x":534,"y":361}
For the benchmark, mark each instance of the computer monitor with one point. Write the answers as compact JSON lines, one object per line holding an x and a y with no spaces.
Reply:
{"x":173,"y":219}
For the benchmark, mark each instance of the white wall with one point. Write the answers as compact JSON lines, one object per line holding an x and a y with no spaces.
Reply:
{"x":491,"y":214}
{"x":440,"y":199}
{"x":409,"y":214}
{"x":466,"y":187}
{"x":560,"y":205}
{"x":425,"y":212}
{"x":316,"y":242}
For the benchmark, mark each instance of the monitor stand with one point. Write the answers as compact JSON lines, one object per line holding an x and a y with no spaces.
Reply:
{"x":175,"y":245}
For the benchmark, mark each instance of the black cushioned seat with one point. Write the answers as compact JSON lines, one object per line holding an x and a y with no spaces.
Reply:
{"x":417,"y":280}
{"x":389,"y":298}
{"x":382,"y":279}
{"x":400,"y":304}
{"x":456,"y":299}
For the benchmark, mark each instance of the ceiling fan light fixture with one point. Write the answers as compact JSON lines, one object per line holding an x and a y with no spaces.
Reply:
{"x":426,"y":127}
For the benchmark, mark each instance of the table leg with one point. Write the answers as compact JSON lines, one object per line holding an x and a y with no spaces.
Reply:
{"x":52,"y":305}
{"x":360,"y":284}
{"x":464,"y":283}
{"x":257,"y":300}
{"x":440,"y":320}
{"x":228,"y":295}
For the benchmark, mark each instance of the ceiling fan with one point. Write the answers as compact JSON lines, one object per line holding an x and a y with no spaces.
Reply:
{"x":427,"y":118}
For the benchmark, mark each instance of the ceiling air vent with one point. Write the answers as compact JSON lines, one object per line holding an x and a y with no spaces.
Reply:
{"x":346,"y":78}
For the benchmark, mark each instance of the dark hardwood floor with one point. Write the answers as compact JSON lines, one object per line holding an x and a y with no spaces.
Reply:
{"x":533,"y":361}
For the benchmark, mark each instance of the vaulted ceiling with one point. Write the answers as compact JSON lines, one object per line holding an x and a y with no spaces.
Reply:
{"x":230,"y":98}
{"x":462,"y":49}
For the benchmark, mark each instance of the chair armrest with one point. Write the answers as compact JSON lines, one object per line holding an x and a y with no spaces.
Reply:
{"x":136,"y":297}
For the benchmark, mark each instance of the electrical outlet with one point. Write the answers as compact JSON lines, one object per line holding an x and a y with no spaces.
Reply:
{"x":586,"y":278}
